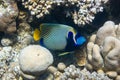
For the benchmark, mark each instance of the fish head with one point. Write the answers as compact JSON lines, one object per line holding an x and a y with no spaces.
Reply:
{"x":76,"y":39}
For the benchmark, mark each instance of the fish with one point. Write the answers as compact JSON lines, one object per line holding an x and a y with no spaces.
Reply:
{"x":58,"y":37}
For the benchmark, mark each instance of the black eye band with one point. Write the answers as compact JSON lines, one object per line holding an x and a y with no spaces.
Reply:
{"x":70,"y":35}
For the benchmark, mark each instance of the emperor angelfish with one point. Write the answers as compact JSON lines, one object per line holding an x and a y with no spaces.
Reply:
{"x":58,"y":37}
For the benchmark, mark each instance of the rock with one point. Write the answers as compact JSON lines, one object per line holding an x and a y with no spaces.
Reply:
{"x":118,"y":77}
{"x":89,"y":66}
{"x":112,"y":74}
{"x":57,"y":75}
{"x":6,"y":42}
{"x":80,"y":57}
{"x":34,"y":60}
{"x":100,"y":71}
{"x":8,"y":14}
{"x":52,"y":69}
{"x":61,"y":66}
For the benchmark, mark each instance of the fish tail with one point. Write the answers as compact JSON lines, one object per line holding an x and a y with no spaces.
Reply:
{"x":36,"y":34}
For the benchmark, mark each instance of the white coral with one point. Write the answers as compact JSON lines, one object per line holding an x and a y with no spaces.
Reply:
{"x":84,"y":13}
{"x":104,"y":51}
{"x":34,"y":59}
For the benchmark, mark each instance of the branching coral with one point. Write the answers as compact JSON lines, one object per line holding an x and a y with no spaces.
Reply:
{"x":37,"y":7}
{"x":84,"y":10}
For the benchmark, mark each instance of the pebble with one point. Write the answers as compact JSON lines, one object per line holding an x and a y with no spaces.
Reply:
{"x":6,"y":42}
{"x":118,"y":77}
{"x":61,"y":66}
{"x":52,"y":69}
{"x":89,"y":66}
{"x":112,"y":74}
{"x":100,"y":71}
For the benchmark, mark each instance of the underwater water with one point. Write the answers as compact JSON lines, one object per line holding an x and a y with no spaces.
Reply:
{"x":59,"y":40}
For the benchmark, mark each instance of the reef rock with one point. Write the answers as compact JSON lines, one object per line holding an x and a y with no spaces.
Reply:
{"x":8,"y":14}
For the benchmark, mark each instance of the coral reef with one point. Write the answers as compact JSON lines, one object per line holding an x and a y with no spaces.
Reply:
{"x":8,"y":14}
{"x":83,"y":13}
{"x":24,"y":34}
{"x":9,"y":67}
{"x":73,"y":73}
{"x":111,"y":52}
{"x":103,"y":49}
{"x":22,"y":59}
{"x":87,"y":11}
{"x":30,"y":55}
{"x":108,"y":29}
{"x":6,"y":42}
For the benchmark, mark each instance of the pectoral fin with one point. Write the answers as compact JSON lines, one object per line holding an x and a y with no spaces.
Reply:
{"x":65,"y":53}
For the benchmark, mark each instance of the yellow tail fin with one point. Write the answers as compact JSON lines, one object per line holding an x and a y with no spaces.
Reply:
{"x":36,"y":35}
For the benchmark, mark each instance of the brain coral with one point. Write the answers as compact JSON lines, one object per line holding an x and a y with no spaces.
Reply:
{"x":34,"y":59}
